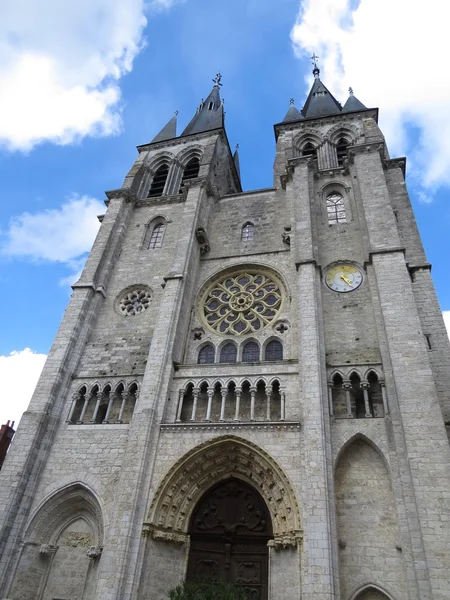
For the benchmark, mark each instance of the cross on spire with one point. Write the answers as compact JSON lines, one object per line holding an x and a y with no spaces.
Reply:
{"x":217,"y":79}
{"x":316,"y":70}
{"x":291,"y":101}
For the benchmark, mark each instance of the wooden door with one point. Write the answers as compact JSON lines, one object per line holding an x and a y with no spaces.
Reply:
{"x":229,"y":532}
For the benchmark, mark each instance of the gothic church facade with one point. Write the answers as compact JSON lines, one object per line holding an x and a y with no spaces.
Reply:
{"x":250,"y":386}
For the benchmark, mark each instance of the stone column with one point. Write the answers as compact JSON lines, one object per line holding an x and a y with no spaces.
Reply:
{"x":268,"y":396}
{"x":283,"y":405}
{"x":210,"y":394}
{"x":365,"y":388}
{"x":97,"y":406}
{"x":75,"y":397}
{"x":87,"y":399}
{"x":195,"y":393}
{"x":111,"y":398}
{"x":125,"y":396}
{"x":238,"y":404}
{"x":348,"y":398}
{"x":180,"y":405}
{"x":252,"y":402}
{"x":384,"y":396}
{"x":330,"y":399}
{"x":223,"y":393}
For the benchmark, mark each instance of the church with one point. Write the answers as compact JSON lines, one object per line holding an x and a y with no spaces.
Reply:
{"x":249,"y":386}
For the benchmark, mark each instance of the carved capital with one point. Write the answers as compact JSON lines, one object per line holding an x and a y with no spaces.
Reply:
{"x":47,"y":550}
{"x":291,"y":540}
{"x":94,"y":552}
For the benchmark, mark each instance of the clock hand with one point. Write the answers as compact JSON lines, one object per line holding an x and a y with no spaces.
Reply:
{"x":346,"y":280}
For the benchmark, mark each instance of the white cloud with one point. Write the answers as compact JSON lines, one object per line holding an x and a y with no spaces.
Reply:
{"x":446,"y":315}
{"x":19,"y":373}
{"x":377,"y":47}
{"x":60,"y":235}
{"x":59,"y":67}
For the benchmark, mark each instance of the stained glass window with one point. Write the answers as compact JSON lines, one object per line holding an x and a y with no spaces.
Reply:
{"x":228,"y":353}
{"x":250,"y":352}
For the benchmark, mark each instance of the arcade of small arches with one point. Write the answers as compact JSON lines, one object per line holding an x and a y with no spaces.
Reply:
{"x":330,"y":152}
{"x":232,"y":401}
{"x":247,"y":352}
{"x":170,"y":177}
{"x":357,"y":397}
{"x":95,"y":405}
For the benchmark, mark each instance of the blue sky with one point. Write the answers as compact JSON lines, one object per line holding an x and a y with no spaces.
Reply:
{"x":79,"y":91}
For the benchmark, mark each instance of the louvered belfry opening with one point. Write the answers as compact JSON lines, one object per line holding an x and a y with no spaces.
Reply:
{"x":159,"y":181}
{"x":190,"y":172}
{"x":341,"y":150}
{"x":309,"y":150}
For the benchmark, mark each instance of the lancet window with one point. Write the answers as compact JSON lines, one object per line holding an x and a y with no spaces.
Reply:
{"x":274,"y":351}
{"x":250,"y":352}
{"x":206,"y":355}
{"x":228,"y":353}
{"x":157,"y":236}
{"x":225,"y":402}
{"x":336,"y":208}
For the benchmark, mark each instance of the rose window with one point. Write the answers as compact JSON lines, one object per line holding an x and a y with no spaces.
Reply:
{"x":242,"y":303}
{"x":135,"y":302}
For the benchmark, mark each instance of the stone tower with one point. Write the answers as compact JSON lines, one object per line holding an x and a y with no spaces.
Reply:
{"x":250,"y":386}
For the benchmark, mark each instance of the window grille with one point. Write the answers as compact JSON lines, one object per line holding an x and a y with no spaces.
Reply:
{"x":159,"y":181}
{"x":228,"y":353}
{"x":335,"y":208}
{"x":247,"y":232}
{"x":156,"y":239}
{"x":274,"y":351}
{"x":206,"y":355}
{"x":250,"y":352}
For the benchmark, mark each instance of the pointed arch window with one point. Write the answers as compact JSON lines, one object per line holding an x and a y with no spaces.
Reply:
{"x":274,"y":351}
{"x":336,"y":208}
{"x":228,"y":353}
{"x":157,"y":235}
{"x":341,"y":150}
{"x":190,"y":172}
{"x":248,"y":232}
{"x":159,"y":181}
{"x":309,"y":150}
{"x":206,"y":355}
{"x":250,"y":352}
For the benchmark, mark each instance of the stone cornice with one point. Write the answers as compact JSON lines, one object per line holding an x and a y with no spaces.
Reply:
{"x":396,"y":163}
{"x":121,"y":194}
{"x":352,"y":151}
{"x":161,"y":200}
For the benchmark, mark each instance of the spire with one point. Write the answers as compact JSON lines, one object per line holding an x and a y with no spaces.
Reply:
{"x":236,"y":160}
{"x":210,"y":114}
{"x":293,"y":114}
{"x":352,"y":103}
{"x":168,"y":132}
{"x":320,"y":102}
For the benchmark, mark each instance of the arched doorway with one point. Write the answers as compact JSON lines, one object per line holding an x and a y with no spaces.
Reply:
{"x":229,"y":531}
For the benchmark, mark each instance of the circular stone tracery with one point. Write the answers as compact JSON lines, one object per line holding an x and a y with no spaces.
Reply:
{"x":135,"y":302}
{"x":242,"y":302}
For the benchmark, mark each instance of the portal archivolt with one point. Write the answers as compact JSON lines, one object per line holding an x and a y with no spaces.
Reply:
{"x":214,"y":461}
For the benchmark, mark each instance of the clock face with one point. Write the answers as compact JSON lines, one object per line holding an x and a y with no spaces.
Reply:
{"x":343,"y":278}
